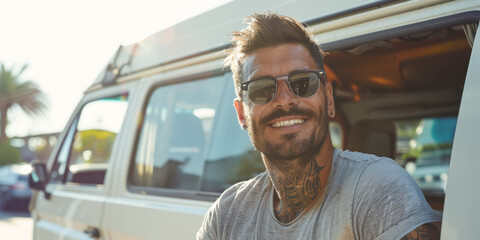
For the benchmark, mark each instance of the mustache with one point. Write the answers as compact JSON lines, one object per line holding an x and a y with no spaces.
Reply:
{"x":294,"y":111}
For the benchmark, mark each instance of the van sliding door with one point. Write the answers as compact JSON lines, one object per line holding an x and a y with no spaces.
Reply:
{"x":461,"y":205}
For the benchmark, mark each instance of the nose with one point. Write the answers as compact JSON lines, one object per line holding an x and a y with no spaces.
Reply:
{"x":284,"y":98}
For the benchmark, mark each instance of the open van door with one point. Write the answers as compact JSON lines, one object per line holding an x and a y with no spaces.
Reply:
{"x":71,"y":197}
{"x":461,"y":213}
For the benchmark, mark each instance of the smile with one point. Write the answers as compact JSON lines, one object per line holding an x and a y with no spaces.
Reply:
{"x":287,"y":123}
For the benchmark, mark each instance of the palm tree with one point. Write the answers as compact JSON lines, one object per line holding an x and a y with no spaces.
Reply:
{"x":17,"y":93}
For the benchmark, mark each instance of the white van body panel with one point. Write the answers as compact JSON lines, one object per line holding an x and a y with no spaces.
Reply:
{"x":69,"y":212}
{"x":157,"y":215}
{"x":406,"y":13}
{"x":217,"y":26}
{"x":152,"y":54}
{"x":460,"y":219}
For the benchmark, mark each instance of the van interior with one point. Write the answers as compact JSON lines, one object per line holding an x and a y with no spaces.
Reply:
{"x":399,"y":97}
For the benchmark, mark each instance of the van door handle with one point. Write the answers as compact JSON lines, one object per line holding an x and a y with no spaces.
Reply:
{"x":92,"y":232}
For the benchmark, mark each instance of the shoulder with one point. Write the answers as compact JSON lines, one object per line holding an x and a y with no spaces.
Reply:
{"x":370,"y":176}
{"x":237,"y":199}
{"x":378,"y":174}
{"x":359,"y":157}
{"x":238,"y":193}
{"x":372,"y":165}
{"x":387,"y":201}
{"x":385,"y":171}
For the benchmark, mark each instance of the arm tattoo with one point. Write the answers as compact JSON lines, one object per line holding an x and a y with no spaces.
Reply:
{"x":296,"y":193}
{"x":425,"y":232}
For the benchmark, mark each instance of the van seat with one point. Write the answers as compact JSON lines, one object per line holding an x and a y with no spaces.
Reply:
{"x":375,"y":137}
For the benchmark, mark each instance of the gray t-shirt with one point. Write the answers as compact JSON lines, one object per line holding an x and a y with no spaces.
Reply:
{"x":367,"y":197}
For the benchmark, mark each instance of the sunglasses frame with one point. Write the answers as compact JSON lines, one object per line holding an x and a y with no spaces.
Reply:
{"x":320,"y":73}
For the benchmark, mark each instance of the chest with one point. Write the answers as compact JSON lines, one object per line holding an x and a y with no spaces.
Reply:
{"x":331,"y":219}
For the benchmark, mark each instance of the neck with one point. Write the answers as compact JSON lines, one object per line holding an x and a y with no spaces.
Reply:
{"x":299,"y":183}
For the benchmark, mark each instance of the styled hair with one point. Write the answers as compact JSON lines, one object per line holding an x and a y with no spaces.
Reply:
{"x":267,"y":29}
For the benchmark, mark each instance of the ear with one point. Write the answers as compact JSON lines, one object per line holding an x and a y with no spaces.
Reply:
{"x":240,"y":112}
{"x":329,"y":96}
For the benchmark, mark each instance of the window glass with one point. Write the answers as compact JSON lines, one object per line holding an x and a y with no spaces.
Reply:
{"x":86,"y":151}
{"x":424,"y":147}
{"x":231,"y":157}
{"x":176,"y":128}
{"x":58,"y":170}
{"x":336,"y":133}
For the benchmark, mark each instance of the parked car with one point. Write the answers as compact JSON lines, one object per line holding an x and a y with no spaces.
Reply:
{"x":14,"y":190}
{"x":155,"y":138}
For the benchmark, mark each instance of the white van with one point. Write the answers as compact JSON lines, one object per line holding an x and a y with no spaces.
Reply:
{"x":155,"y":139}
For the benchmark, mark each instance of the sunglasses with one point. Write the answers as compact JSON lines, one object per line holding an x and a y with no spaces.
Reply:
{"x":301,"y":83}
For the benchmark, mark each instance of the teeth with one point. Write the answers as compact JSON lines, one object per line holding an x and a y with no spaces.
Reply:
{"x":287,"y":123}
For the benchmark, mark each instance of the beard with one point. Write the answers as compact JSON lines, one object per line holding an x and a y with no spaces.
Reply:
{"x":291,"y":145}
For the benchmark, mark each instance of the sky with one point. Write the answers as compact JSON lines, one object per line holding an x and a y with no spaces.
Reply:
{"x":66,"y":43}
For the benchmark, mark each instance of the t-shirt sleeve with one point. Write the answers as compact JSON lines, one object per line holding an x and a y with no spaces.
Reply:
{"x":209,"y":228}
{"x":388,"y":204}
{"x":214,"y":221}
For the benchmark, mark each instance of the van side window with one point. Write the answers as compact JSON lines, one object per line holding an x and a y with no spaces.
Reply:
{"x":176,"y":128}
{"x":85,"y":153}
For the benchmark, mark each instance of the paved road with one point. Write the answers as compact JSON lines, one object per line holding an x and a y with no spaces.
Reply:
{"x":15,"y":225}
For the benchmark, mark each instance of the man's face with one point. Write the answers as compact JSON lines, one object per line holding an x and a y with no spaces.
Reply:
{"x":289,"y":126}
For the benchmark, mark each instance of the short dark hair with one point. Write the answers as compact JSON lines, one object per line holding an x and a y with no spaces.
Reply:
{"x":268,"y":29}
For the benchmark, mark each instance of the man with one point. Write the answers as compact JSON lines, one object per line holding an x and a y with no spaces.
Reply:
{"x":310,"y":189}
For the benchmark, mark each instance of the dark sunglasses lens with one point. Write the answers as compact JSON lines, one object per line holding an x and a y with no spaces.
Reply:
{"x":262,"y":91}
{"x":304,"y":84}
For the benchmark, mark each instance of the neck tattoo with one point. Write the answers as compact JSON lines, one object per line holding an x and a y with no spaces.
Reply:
{"x":296,"y":193}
